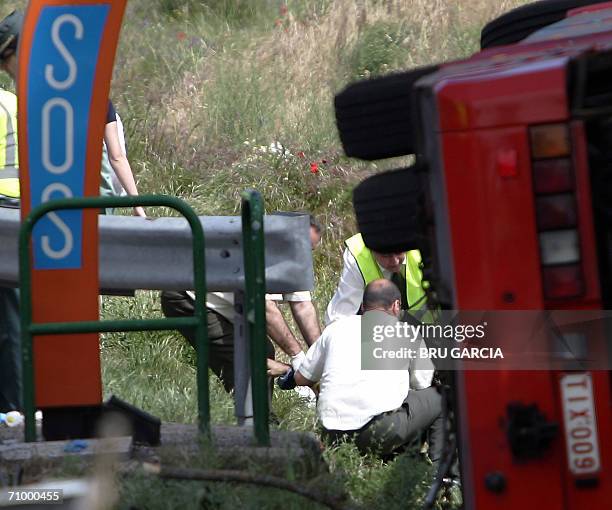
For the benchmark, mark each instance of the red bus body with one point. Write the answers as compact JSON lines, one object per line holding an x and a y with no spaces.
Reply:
{"x":475,"y":122}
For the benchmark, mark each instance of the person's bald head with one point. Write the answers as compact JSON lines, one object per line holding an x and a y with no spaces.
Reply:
{"x":382,"y":295}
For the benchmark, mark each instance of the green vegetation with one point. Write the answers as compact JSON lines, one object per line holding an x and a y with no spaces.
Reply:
{"x":219,"y":96}
{"x":379,"y":48}
{"x":371,"y":484}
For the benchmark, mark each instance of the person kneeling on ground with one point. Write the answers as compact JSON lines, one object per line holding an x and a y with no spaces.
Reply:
{"x":377,"y":409}
{"x":221,"y":313}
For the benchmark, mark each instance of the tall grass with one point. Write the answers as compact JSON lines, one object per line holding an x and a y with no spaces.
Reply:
{"x":206,"y":87}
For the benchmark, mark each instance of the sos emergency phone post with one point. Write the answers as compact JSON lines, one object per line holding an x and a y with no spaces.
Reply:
{"x":66,"y":55}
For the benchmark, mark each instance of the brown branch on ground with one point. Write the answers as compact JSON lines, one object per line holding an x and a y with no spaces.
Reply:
{"x":234,"y":476}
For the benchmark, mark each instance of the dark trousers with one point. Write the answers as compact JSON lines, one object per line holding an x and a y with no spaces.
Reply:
{"x":385,"y":433}
{"x":10,"y":350}
{"x":220,"y":335}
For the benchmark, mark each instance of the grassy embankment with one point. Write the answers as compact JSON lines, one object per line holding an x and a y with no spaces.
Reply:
{"x":205,"y":89}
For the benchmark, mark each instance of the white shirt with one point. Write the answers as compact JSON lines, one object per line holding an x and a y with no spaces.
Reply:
{"x":223,"y":302}
{"x":349,"y":294}
{"x":351,"y":397}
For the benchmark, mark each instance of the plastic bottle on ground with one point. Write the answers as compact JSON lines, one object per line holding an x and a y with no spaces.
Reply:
{"x":12,"y":418}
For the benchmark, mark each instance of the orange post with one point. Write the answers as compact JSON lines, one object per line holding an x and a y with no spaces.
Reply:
{"x":66,"y":55}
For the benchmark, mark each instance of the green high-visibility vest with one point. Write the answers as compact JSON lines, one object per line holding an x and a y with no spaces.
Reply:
{"x":9,"y":163}
{"x":370,"y":270}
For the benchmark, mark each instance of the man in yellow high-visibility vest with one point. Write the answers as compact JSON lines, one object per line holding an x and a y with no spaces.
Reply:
{"x":10,"y":350}
{"x":362,"y":266}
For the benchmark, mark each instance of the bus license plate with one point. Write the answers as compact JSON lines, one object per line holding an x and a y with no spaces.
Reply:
{"x":580,"y":423}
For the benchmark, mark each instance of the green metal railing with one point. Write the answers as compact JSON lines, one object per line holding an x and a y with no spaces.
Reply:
{"x":255,"y":309}
{"x":255,"y":288}
{"x":198,"y":321}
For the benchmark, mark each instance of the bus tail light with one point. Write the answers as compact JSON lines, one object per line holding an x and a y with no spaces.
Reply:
{"x":556,"y":211}
{"x":553,"y":176}
{"x":559,"y":247}
{"x":550,"y":141}
{"x":563,"y":281}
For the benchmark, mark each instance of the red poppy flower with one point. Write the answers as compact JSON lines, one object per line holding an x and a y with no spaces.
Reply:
{"x":301,"y":154}
{"x":181,"y":36}
{"x":314,"y":168}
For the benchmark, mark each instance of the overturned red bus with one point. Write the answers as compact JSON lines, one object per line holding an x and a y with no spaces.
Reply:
{"x":510,"y":202}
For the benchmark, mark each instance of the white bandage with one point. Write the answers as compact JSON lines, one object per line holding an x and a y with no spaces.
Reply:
{"x":296,"y":360}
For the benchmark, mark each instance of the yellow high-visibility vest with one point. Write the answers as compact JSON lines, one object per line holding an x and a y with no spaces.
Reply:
{"x":370,"y":270}
{"x":9,"y":159}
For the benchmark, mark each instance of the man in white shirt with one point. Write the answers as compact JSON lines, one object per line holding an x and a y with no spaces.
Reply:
{"x":377,"y":409}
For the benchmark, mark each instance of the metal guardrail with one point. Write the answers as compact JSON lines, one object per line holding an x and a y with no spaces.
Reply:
{"x":138,"y":253}
{"x":198,"y":321}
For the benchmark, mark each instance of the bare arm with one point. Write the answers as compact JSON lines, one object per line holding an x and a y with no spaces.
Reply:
{"x":300,"y":380}
{"x":305,"y":316}
{"x":120,"y":163}
{"x":349,"y":293}
{"x":278,"y":330}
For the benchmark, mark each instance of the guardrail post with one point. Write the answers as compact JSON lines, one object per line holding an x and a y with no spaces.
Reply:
{"x":255,"y":309}
{"x":243,"y":394}
{"x":199,"y":321}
